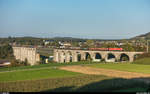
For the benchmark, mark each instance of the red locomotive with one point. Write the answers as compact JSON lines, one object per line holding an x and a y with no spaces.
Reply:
{"x":107,"y":49}
{"x":115,"y":49}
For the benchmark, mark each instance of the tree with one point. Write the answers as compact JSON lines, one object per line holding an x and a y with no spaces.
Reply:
{"x":9,"y":38}
{"x":26,"y":62}
{"x":124,"y":58}
{"x":128,"y":47}
{"x":6,"y":52}
{"x":144,"y":55}
{"x":75,"y":44}
{"x":89,"y":58}
{"x":90,"y":43}
{"x":14,"y":63}
{"x":124,"y":41}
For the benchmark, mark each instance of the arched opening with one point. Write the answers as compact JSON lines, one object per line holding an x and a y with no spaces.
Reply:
{"x":97,"y":57}
{"x":124,"y":58}
{"x":87,"y":56}
{"x":63,"y":56}
{"x":70,"y":56}
{"x":59,"y":57}
{"x":110,"y":57}
{"x":78,"y":56}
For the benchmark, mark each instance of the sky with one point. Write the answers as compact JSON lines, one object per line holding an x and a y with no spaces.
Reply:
{"x":93,"y":19}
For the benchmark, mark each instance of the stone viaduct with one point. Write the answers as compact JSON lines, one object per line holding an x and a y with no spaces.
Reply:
{"x":29,"y":53}
{"x":67,"y":55}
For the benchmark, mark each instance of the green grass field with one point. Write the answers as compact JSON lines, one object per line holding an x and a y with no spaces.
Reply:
{"x":46,"y":78}
{"x":35,"y":74}
{"x":80,"y":83}
{"x":124,"y":67}
{"x":45,"y":65}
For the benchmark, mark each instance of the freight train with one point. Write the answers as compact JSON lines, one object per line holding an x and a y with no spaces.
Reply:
{"x":102,"y":49}
{"x":107,"y":49}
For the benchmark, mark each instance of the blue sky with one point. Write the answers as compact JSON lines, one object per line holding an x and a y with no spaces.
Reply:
{"x":99,"y":19}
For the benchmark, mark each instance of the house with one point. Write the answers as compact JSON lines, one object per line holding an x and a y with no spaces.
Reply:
{"x":64,"y":45}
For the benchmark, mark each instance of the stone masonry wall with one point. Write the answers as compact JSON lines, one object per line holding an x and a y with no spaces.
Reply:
{"x":63,"y":55}
{"x":21,"y":53}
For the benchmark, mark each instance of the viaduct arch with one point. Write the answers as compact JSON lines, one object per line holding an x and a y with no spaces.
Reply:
{"x":69,"y":55}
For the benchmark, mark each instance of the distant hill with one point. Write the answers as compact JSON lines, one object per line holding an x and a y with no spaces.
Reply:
{"x":79,"y":39}
{"x":39,"y":40}
{"x":67,"y":39}
{"x":143,"y":36}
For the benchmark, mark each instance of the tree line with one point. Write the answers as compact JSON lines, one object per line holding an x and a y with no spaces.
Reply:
{"x":84,"y":43}
{"x":6,"y":53}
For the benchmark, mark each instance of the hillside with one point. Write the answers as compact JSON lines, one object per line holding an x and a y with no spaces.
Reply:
{"x":143,"y":36}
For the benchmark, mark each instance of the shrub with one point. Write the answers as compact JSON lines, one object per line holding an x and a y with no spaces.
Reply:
{"x":124,"y":58}
{"x":103,"y":60}
{"x":145,"y":61}
{"x":89,"y":58}
{"x":14,"y":63}
{"x":26,"y":62}
{"x":144,"y":55}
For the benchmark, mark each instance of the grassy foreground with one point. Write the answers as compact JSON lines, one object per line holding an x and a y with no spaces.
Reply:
{"x":35,"y":74}
{"x":54,"y":80}
{"x":125,"y":67}
{"x":82,"y":83}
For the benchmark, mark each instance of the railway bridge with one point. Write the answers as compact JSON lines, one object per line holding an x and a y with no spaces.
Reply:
{"x":70,"y":55}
